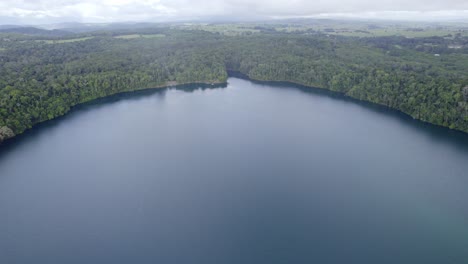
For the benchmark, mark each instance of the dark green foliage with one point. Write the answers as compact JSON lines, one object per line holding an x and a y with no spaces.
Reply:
{"x":40,"y":81}
{"x":424,"y":86}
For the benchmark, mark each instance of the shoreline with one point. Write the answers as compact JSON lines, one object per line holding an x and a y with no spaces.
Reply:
{"x":168,"y":85}
{"x":354,"y":99}
{"x":235,"y":74}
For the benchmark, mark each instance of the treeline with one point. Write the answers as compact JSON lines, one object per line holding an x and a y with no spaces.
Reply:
{"x":40,"y":81}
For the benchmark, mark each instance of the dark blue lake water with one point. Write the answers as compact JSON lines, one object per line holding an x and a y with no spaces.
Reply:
{"x":248,"y":173}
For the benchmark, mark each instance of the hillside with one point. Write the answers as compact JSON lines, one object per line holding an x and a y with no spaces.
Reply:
{"x":42,"y":77}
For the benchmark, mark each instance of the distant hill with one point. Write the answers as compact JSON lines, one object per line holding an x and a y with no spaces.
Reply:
{"x":33,"y":31}
{"x":76,"y":27}
{"x":9,"y":26}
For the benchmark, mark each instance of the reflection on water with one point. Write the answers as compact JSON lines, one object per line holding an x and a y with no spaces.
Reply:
{"x":457,"y":138}
{"x":29,"y":135}
{"x":252,"y":173}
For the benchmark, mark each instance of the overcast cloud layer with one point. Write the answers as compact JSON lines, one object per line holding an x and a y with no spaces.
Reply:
{"x":52,"y":11}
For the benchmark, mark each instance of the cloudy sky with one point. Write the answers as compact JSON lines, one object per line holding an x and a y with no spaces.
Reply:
{"x":53,"y":11}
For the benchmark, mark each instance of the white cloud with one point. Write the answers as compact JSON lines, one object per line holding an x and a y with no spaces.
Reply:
{"x":157,"y":10}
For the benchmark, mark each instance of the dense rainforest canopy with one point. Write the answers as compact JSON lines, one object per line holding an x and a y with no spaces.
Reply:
{"x":43,"y":76}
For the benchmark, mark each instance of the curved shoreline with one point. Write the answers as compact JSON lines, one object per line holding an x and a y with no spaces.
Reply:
{"x":235,"y":74}
{"x":203,"y":84}
{"x":289,"y":82}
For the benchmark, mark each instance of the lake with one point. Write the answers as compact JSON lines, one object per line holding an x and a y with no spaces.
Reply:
{"x":246,"y":173}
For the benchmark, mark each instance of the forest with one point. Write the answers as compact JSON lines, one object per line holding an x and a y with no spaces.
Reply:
{"x":42,"y":76}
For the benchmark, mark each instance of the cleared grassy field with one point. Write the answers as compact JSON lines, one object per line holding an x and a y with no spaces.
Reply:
{"x":353,"y":29}
{"x":225,"y":29}
{"x":59,"y":41}
{"x":363,"y":30}
{"x":400,"y":32}
{"x":134,"y":36}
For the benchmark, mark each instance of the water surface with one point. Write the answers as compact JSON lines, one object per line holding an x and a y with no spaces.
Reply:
{"x":248,"y":173}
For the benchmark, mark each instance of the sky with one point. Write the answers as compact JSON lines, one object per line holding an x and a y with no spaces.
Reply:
{"x":55,"y":11}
